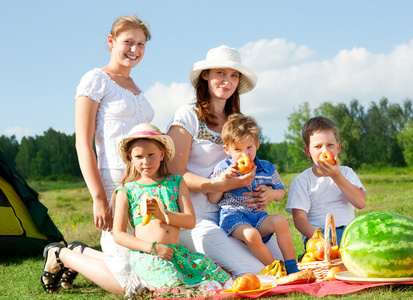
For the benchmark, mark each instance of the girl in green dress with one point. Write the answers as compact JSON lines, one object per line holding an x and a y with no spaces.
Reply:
{"x":156,"y":254}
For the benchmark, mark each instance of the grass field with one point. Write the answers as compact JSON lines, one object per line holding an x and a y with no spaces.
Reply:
{"x":71,"y":210}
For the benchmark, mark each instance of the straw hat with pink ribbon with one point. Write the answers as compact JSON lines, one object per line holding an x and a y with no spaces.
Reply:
{"x":146,"y":131}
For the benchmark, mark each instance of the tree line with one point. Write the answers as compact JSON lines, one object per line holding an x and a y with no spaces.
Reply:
{"x":51,"y":156}
{"x":379,"y":136}
{"x":376,"y":137}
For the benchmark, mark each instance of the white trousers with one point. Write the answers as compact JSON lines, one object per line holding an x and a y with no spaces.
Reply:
{"x":228,"y":252}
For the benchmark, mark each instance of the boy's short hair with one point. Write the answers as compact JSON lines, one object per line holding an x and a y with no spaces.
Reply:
{"x":318,"y":124}
{"x":238,"y":126}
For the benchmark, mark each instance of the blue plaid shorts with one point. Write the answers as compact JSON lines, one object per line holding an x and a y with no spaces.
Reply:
{"x":229,"y":220}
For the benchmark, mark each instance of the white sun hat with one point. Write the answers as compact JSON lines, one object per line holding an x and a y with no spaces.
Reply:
{"x":146,"y":131}
{"x":224,"y":57}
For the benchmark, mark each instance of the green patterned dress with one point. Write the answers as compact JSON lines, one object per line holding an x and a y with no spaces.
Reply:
{"x":184,"y":268}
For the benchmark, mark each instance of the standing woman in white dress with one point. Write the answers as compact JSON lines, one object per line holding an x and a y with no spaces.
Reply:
{"x":108,"y":105}
{"x":196,"y":130}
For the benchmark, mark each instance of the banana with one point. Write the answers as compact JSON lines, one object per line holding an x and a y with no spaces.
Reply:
{"x":279,"y":272}
{"x":275,"y":269}
{"x":267,"y":268}
{"x":143,"y":208}
{"x":146,"y":219}
{"x":278,"y":269}
{"x":283,"y":269}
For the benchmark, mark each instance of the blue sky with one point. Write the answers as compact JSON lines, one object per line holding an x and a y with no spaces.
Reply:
{"x":313,"y":51}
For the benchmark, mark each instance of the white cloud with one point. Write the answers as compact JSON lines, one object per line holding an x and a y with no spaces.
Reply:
{"x":289,"y":74}
{"x":277,"y":53}
{"x":166,"y":99}
{"x":19,"y":132}
{"x":351,"y":74}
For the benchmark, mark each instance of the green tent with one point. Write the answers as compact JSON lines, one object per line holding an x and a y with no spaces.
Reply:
{"x":25,"y":226}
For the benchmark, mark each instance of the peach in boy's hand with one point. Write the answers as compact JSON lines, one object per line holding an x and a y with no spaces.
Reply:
{"x":244,"y":164}
{"x":327,"y":157}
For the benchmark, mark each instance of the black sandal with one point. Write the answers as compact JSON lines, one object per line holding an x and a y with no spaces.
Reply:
{"x":54,"y":285}
{"x":69,"y":275}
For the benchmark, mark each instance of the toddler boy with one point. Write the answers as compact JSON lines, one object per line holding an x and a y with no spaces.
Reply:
{"x":244,"y":217}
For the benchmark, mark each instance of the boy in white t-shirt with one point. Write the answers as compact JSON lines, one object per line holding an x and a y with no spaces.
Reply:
{"x":323,"y":188}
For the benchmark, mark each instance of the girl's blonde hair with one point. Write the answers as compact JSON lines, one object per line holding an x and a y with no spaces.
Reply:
{"x":129,"y":22}
{"x":131,"y":174}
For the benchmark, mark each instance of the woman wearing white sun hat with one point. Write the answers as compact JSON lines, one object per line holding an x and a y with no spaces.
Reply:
{"x":196,"y":128}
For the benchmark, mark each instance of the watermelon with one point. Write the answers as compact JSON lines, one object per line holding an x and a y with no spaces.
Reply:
{"x":378,"y":245}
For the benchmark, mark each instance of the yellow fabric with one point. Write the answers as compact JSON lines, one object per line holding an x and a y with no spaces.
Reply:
{"x":9,"y":224}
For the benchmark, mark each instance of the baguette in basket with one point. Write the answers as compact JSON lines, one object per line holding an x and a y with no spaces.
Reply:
{"x":299,"y":276}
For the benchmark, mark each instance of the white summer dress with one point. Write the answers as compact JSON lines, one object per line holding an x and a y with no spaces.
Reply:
{"x":119,"y":110}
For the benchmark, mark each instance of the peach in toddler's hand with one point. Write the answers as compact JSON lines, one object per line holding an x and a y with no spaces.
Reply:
{"x":244,"y":165}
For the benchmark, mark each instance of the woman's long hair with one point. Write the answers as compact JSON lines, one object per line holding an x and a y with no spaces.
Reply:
{"x":206,"y":107}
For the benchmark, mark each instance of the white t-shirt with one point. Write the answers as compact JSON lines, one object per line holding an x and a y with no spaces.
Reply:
{"x":318,"y":196}
{"x":119,"y":110}
{"x":206,"y":152}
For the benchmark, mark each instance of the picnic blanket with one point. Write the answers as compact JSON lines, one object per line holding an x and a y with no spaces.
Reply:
{"x":318,"y":289}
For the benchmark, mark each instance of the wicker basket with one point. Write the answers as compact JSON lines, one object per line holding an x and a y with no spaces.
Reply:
{"x":321,"y":268}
